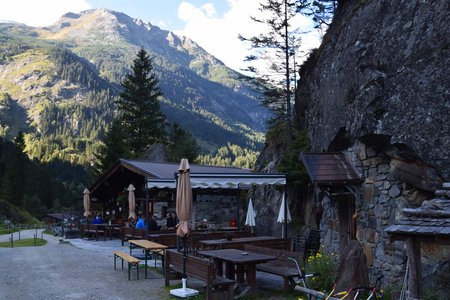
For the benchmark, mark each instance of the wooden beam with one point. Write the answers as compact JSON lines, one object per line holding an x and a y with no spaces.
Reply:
{"x":415,"y":268}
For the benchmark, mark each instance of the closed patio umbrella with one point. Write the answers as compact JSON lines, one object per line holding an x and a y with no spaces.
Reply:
{"x":250,"y":219}
{"x":284,"y":215}
{"x":184,"y":211}
{"x":184,"y":199}
{"x":86,"y":203}
{"x":131,"y":202}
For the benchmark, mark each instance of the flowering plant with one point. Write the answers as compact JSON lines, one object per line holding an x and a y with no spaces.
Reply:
{"x":324,"y":264}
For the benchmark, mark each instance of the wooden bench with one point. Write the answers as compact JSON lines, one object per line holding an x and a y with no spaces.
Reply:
{"x":203,"y":269}
{"x":278,"y":243}
{"x":92,"y":229}
{"x":282,"y":266}
{"x":131,"y":233}
{"x":133,"y":262}
{"x":166,"y":239}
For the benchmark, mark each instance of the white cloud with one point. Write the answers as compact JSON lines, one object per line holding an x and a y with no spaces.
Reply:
{"x":39,"y":12}
{"x":219,"y":35}
{"x":209,"y":9}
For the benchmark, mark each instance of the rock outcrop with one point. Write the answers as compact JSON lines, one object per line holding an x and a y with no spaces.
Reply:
{"x":378,"y":89}
{"x":382,"y":76}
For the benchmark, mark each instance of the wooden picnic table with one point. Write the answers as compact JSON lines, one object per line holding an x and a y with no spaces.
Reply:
{"x":235,"y":243}
{"x":147,"y":246}
{"x":237,"y":262}
{"x":109,"y":228}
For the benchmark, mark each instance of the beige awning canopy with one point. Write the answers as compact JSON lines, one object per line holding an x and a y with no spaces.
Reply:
{"x":220,"y":181}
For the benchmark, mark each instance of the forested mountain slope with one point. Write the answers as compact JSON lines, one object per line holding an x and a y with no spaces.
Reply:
{"x":58,"y":85}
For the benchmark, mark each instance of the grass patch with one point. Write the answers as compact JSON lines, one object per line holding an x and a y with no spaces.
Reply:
{"x":24,"y":243}
{"x":8,"y":230}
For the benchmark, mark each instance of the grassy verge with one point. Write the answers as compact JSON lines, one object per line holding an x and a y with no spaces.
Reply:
{"x":24,"y":243}
{"x":7,"y":230}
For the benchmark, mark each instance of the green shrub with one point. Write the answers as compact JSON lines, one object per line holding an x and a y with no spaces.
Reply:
{"x":325,"y":265}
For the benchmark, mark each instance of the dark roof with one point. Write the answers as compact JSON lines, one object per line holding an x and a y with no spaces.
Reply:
{"x":432,"y":219}
{"x":330,"y":169}
{"x":126,"y":171}
{"x":167,"y":170}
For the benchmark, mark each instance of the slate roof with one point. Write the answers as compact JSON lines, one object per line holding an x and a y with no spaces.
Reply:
{"x":330,"y":169}
{"x":431,"y":219}
{"x":167,"y":170}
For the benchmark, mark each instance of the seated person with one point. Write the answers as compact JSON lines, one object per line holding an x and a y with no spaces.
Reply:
{"x":170,"y":221}
{"x":97,"y":220}
{"x":175,"y":218}
{"x":140,"y":224}
{"x":152,"y":225}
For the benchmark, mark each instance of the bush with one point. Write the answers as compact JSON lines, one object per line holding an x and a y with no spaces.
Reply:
{"x":325,"y":265}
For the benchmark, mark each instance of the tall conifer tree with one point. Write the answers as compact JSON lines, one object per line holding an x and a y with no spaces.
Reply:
{"x":181,"y":144}
{"x":278,"y":46}
{"x":139,"y":108}
{"x":112,"y":149}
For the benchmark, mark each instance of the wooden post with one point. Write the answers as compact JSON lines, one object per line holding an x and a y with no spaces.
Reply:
{"x":415,"y":268}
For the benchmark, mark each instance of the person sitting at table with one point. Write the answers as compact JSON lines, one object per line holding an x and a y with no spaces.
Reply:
{"x":152,"y":225}
{"x":97,"y":220}
{"x":170,"y":221}
{"x":140,"y":224}
{"x":175,"y":218}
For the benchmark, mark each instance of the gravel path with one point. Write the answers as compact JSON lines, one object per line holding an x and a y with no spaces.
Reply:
{"x":83,"y":269}
{"x":79,"y":270}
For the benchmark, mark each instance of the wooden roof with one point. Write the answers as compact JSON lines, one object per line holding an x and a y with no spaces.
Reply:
{"x":431,"y":220}
{"x":330,"y":169}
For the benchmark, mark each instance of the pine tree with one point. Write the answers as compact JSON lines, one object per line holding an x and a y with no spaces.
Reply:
{"x":112,"y":149}
{"x":139,"y":108}
{"x":322,"y":12}
{"x":278,"y":46}
{"x":182,"y":144}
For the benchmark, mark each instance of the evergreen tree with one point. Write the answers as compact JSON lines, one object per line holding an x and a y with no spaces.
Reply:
{"x":278,"y":46}
{"x":139,"y":108}
{"x":182,"y":144}
{"x":322,"y":11}
{"x":112,"y":149}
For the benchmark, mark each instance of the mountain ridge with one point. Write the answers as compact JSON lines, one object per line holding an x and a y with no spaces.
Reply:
{"x":201,"y":93}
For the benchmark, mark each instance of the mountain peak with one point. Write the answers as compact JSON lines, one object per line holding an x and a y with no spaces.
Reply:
{"x":101,"y":25}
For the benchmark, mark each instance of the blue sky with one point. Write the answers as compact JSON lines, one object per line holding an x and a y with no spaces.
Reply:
{"x":213,"y":24}
{"x":163,"y":13}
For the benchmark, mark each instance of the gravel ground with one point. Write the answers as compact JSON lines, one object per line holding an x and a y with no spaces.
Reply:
{"x":82,"y":269}
{"x":76,"y":270}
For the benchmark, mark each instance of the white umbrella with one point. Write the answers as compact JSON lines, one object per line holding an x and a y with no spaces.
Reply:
{"x":284,"y":216}
{"x":131,"y":202}
{"x":250,"y":219}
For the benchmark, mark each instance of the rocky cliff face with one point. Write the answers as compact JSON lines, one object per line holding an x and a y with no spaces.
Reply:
{"x":378,"y":89}
{"x":382,"y":76}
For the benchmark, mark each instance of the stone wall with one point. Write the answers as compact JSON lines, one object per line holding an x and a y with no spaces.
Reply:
{"x":383,"y":196}
{"x":217,"y":210}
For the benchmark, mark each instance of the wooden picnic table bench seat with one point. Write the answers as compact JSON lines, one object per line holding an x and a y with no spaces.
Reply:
{"x":217,"y":287}
{"x":93,"y":230}
{"x":131,"y":233}
{"x":166,"y":239}
{"x":132,"y":261}
{"x":282,"y":266}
